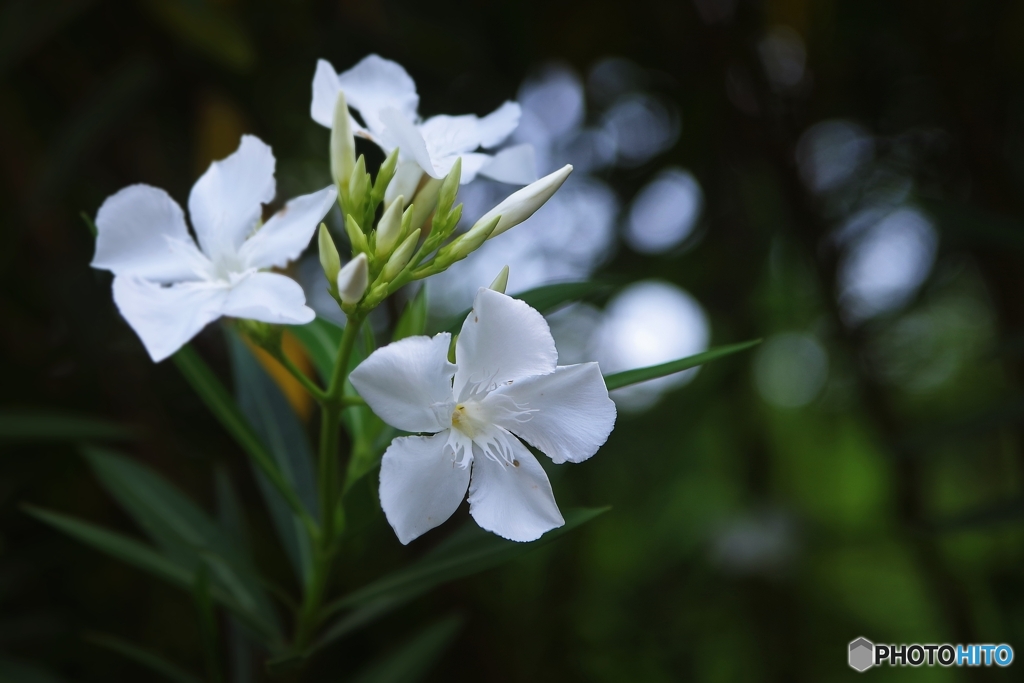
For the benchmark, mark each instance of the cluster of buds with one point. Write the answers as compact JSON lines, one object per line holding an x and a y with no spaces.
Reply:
{"x":405,"y":245}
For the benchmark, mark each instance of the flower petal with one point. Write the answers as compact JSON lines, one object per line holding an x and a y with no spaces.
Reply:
{"x":451,"y":135}
{"x":408,"y":383}
{"x":472,"y":163}
{"x":420,"y":484}
{"x":513,"y":500}
{"x":404,"y":184}
{"x":134,"y":227}
{"x":225,"y":202}
{"x":502,"y":339}
{"x":571,"y":415}
{"x":165,"y":318}
{"x":287,"y":233}
{"x":325,"y":93}
{"x":375,"y":84}
{"x":270,"y":298}
{"x":514,"y":165}
{"x":400,"y":132}
{"x":499,"y":124}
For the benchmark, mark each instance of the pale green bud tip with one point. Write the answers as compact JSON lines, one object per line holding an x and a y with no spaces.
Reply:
{"x":471,"y":241}
{"x":389,"y":229}
{"x":450,"y":186}
{"x":522,"y":204}
{"x":401,"y":257}
{"x":343,"y":145}
{"x":329,"y":258}
{"x":353,"y":280}
{"x":500,"y":282}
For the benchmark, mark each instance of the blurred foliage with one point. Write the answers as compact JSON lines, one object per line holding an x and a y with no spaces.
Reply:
{"x":745,"y":541}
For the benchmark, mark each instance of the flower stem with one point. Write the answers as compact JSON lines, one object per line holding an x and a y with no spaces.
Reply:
{"x":325,"y":544}
{"x":309,"y":385}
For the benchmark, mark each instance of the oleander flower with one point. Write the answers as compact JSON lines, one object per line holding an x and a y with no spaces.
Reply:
{"x":385,"y":96}
{"x":505,"y":385}
{"x":169,"y":288}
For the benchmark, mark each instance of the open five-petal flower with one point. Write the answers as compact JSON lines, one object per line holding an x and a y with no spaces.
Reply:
{"x":385,"y":96}
{"x":168,"y":287}
{"x":505,"y":386}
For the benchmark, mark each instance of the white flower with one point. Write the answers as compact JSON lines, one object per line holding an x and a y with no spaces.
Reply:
{"x":385,"y":97}
{"x":168,"y":288}
{"x":504,"y":385}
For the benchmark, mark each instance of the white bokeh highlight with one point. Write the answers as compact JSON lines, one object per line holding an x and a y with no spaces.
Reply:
{"x":664,"y":212}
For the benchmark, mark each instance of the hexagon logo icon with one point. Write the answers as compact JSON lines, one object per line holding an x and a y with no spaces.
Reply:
{"x":862,"y":654}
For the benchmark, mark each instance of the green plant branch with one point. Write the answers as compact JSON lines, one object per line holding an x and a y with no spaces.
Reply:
{"x":308,"y":384}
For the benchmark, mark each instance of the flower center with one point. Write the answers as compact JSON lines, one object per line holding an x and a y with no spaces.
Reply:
{"x":470,"y":418}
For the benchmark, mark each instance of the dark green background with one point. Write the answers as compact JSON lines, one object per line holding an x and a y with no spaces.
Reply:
{"x":903,"y":506}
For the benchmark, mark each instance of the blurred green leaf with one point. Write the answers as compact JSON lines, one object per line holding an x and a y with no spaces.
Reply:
{"x":51,"y":426}
{"x":624,"y":379}
{"x":207,"y":624}
{"x":143,"y":557}
{"x":412,"y":660}
{"x":208,"y":27}
{"x":469,"y":551}
{"x":145,"y":658}
{"x":547,"y":298}
{"x":17,"y":671}
{"x":220,"y":403}
{"x":183,"y":531}
{"x":413,"y":320}
{"x":321,"y":339}
{"x":116,"y":545}
{"x":273,"y":419}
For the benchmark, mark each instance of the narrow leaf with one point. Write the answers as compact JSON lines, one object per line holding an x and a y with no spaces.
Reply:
{"x":52,"y":426}
{"x":183,"y":530}
{"x":116,"y":545}
{"x":624,"y":379}
{"x":411,"y":662}
{"x":321,"y":339}
{"x":145,"y":658}
{"x":273,"y":419}
{"x":220,"y":403}
{"x":469,"y":551}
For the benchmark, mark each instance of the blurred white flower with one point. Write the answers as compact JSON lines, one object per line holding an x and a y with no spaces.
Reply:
{"x":168,"y":288}
{"x":504,"y":387}
{"x":385,"y":97}
{"x":664,"y":212}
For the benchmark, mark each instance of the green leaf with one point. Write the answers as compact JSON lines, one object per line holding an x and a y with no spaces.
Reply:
{"x":547,"y":298}
{"x":273,"y":419}
{"x":321,"y":339}
{"x":411,"y":662}
{"x":145,"y":658}
{"x":141,"y":556}
{"x":624,"y":379}
{"x":469,"y":551}
{"x":116,"y":545}
{"x":16,"y":671}
{"x":183,"y":531}
{"x":53,"y":426}
{"x":414,"y":318}
{"x":220,"y":403}
{"x":201,"y":594}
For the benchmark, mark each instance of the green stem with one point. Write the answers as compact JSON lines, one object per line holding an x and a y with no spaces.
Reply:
{"x":325,"y":545}
{"x":309,"y":385}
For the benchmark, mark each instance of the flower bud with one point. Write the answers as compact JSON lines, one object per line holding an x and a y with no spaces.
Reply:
{"x":358,"y":182}
{"x":329,"y":259}
{"x":449,"y":188}
{"x":500,"y":282}
{"x":400,"y":258}
{"x":425,"y":201}
{"x":343,"y":145}
{"x":522,"y":204}
{"x":355,"y":235}
{"x":468,"y":243}
{"x":353,"y":280}
{"x":385,"y":174}
{"x":389,"y":229}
